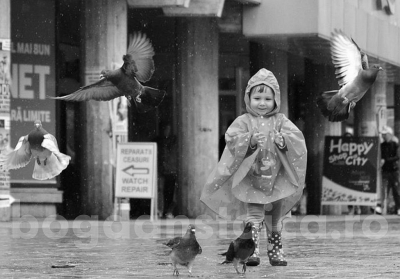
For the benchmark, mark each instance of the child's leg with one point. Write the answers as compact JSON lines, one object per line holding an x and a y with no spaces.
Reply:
{"x":273,"y":214}
{"x":255,"y":214}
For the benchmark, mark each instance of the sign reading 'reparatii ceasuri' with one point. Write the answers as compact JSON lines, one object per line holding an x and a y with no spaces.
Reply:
{"x":136,"y":170}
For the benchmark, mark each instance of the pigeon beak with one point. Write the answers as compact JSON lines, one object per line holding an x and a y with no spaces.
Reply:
{"x":193,"y":230}
{"x":101,"y":76}
{"x":380,"y":69}
{"x":37,"y":125}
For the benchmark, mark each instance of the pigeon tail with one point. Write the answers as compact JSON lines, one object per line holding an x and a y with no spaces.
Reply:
{"x":56,"y":162}
{"x":149,"y":99}
{"x":322,"y":103}
{"x":54,"y":166}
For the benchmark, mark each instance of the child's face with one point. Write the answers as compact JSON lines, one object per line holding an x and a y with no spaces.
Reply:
{"x":262,"y":102}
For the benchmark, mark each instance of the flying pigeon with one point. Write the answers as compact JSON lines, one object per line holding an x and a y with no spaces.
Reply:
{"x":354,"y":76}
{"x":241,"y":249}
{"x":126,"y":81}
{"x":184,"y":249}
{"x":42,"y":146}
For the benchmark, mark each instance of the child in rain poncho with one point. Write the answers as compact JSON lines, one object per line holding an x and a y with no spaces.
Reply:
{"x":261,"y":173}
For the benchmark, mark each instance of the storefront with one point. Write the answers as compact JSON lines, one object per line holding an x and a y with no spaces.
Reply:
{"x":205,"y":53}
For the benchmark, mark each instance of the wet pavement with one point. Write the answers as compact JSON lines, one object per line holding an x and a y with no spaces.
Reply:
{"x":315,"y":246}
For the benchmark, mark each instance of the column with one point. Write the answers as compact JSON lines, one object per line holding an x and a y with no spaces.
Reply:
{"x":5,"y":34}
{"x":105,"y":41}
{"x":366,"y":121}
{"x":276,"y":61}
{"x":318,"y":78}
{"x":198,"y":109}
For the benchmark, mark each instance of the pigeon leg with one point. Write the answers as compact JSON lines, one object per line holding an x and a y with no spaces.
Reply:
{"x":129,"y":98}
{"x":138,"y":98}
{"x":38,"y":161}
{"x":176,"y":272}
{"x":244,"y":268}
{"x":235,"y":264}
{"x":190,"y":265}
{"x":45,"y":161}
{"x":352,"y":105}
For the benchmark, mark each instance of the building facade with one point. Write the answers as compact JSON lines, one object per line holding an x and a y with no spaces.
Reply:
{"x":205,"y":52}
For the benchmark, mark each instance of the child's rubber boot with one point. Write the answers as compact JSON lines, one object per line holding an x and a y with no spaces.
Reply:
{"x":275,"y":250}
{"x":254,"y":259}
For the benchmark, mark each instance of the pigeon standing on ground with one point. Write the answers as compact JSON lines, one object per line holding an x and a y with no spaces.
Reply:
{"x":241,"y":249}
{"x":138,"y":67}
{"x":184,"y":249}
{"x":354,"y":76}
{"x":42,"y":146}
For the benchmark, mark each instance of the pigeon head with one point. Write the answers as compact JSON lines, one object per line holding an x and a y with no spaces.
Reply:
{"x":372,"y":73}
{"x":248,"y":227}
{"x":377,"y":68}
{"x":191,"y":229}
{"x":127,"y":58}
{"x":38,"y":124}
{"x":104,"y":74}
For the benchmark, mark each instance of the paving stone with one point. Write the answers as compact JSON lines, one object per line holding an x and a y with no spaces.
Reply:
{"x":315,"y":247}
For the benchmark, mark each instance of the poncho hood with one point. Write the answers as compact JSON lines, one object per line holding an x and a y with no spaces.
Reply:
{"x":266,"y":77}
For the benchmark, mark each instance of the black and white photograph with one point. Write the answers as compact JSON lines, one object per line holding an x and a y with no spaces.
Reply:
{"x":199,"y":138}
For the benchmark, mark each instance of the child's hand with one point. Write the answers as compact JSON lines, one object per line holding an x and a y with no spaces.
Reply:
{"x":257,"y":139}
{"x":279,"y":140}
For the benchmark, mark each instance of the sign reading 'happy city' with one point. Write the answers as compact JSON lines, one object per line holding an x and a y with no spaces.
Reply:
{"x":350,"y":170}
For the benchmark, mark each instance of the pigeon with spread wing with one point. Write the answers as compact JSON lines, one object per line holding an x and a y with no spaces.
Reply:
{"x":241,"y":249}
{"x":125,"y":81}
{"x":184,"y":249}
{"x":354,"y":76}
{"x":42,"y":146}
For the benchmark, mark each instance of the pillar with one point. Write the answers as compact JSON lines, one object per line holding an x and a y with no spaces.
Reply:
{"x":367,"y":108}
{"x":5,"y":34}
{"x":397,"y":110}
{"x":198,"y":109}
{"x":366,"y":121}
{"x":318,"y":78}
{"x":105,"y":42}
{"x":276,"y":61}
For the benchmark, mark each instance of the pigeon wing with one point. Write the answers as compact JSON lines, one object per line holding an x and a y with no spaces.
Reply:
{"x":245,"y":248}
{"x":103,"y":90}
{"x":21,"y":155}
{"x":172,"y":243}
{"x":50,"y":143}
{"x":230,"y":254}
{"x":346,"y":58}
{"x":141,"y":64}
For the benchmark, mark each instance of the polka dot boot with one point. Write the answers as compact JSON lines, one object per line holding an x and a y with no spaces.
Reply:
{"x":254,"y":259}
{"x":275,"y":250}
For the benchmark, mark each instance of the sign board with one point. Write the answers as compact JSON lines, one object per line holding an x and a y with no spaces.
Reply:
{"x":5,"y":83}
{"x":350,"y":171}
{"x":136,"y":170}
{"x":6,"y":199}
{"x":33,"y":72}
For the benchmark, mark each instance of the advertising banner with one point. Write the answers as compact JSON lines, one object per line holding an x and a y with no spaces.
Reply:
{"x":350,"y":171}
{"x":33,"y":74}
{"x":5,"y":83}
